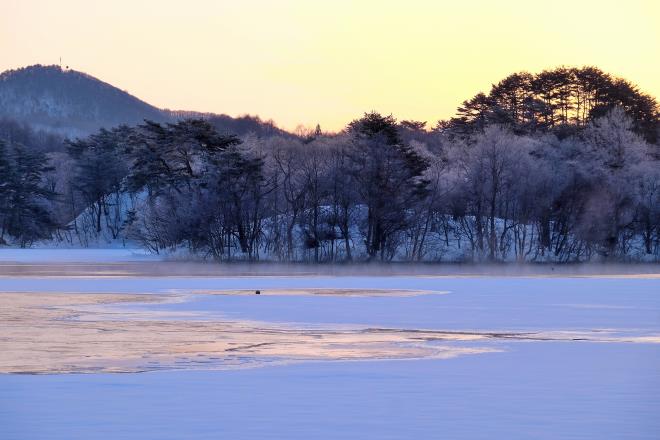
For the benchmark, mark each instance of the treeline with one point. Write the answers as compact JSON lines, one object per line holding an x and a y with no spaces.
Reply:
{"x":563,"y":100}
{"x":14,"y":132}
{"x":501,"y":184}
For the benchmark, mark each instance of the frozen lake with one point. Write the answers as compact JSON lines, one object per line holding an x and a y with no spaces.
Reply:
{"x":528,"y":389}
{"x":467,"y":303}
{"x":483,"y":303}
{"x":540,"y":391}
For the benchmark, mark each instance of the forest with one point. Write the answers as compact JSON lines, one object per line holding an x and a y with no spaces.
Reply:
{"x":559,"y":166}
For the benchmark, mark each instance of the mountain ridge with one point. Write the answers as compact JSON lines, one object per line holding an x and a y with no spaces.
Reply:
{"x":71,"y":103}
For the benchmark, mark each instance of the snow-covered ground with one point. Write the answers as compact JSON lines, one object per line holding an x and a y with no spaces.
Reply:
{"x":527,"y":389}
{"x":80,"y":255}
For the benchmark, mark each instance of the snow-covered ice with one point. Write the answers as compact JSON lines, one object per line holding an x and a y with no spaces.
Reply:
{"x":536,"y":389}
{"x":540,"y":391}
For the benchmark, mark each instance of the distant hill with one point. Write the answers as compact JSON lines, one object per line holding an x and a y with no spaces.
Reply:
{"x":70,"y":103}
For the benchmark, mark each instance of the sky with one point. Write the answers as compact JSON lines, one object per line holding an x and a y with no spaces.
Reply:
{"x":327,"y":62}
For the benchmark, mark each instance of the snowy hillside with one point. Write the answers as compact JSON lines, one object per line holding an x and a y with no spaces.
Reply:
{"x":74,"y":104}
{"x":68,"y":102}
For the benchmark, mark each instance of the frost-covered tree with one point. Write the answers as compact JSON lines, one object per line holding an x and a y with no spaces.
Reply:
{"x":204,"y":190}
{"x":609,"y":153}
{"x":645,"y":187}
{"x":488,"y":173}
{"x":99,"y":170}
{"x":562,"y":165}
{"x":236,"y":188}
{"x":388,"y":175}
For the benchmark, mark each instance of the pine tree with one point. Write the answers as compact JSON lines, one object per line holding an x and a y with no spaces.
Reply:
{"x":28,"y":218}
{"x":387,"y":174}
{"x":99,"y":170}
{"x":5,"y":173}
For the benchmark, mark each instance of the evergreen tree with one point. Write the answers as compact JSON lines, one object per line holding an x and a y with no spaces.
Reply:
{"x":99,"y":170}
{"x":5,"y":174}
{"x":388,"y":176}
{"x":165,"y":158}
{"x":562,"y":100}
{"x":27,"y":217}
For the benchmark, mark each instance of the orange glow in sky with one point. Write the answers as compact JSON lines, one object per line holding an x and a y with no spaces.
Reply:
{"x":327,"y":62}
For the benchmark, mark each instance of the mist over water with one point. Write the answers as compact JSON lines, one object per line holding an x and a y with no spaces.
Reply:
{"x":136,"y":262}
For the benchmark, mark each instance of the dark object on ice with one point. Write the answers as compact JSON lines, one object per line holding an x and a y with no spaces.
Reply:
{"x":258,"y":292}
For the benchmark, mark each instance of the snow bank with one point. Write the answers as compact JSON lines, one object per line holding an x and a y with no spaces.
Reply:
{"x":45,"y":255}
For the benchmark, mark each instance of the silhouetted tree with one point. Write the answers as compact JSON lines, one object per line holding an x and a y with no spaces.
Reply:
{"x":561,"y":100}
{"x":26,"y":218}
{"x":99,"y":169}
{"x":387,"y":175}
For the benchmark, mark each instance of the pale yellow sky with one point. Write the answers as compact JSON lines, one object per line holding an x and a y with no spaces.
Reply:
{"x":305,"y":61}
